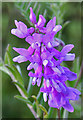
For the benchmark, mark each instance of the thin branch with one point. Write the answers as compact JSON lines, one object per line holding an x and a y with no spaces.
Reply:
{"x":80,"y":74}
{"x":58,"y":110}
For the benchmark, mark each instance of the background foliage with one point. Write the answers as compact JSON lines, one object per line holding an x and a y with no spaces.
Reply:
{"x":71,"y":33}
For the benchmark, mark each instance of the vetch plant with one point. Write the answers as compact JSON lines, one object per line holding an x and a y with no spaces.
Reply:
{"x":42,"y":54}
{"x":46,"y":68}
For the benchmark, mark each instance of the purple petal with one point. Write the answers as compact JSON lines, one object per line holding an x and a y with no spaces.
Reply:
{"x":20,"y":59}
{"x":68,"y":107}
{"x":37,"y":37}
{"x":17,"y":24}
{"x":69,"y":57}
{"x":75,"y":90}
{"x":55,"y":100}
{"x":42,"y":30}
{"x":18,"y":33}
{"x":32,"y":74}
{"x":32,"y":16}
{"x":41,"y":21}
{"x":22,"y":27}
{"x":47,"y":89}
{"x":49,"y":26}
{"x":54,"y":21}
{"x":30,"y":30}
{"x":70,"y":75}
{"x":66,"y":49}
{"x":57,"y":53}
{"x":58,"y":62}
{"x":29,"y":39}
{"x":38,"y":82}
{"x":22,"y":51}
{"x":56,"y":86}
{"x":57,"y":28}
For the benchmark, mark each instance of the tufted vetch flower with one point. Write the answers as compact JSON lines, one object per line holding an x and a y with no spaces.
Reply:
{"x":46,"y":61}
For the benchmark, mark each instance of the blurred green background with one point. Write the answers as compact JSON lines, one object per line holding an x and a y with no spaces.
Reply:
{"x":71,"y":34}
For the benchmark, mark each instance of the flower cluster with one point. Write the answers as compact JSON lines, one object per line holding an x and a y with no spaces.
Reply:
{"x":46,"y":60}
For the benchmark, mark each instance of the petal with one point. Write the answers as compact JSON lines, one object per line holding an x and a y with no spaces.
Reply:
{"x":56,"y":86}
{"x":55,"y":43}
{"x":70,"y":75}
{"x":54,"y":21}
{"x":42,"y":30}
{"x":45,"y":96}
{"x":37,"y":37}
{"x":69,"y":57}
{"x":30,"y":66}
{"x":22,"y":27}
{"x":22,"y":51}
{"x":38,"y":82}
{"x":66,"y":49}
{"x":30,"y":30}
{"x":32,"y":16}
{"x":20,"y":59}
{"x":47,"y":89}
{"x":68,"y":107}
{"x":75,"y":90}
{"x":17,"y":24}
{"x":57,"y":53}
{"x":29,"y":39}
{"x":49,"y":26}
{"x":57,"y":28}
{"x":34,"y":81}
{"x":41,"y":21}
{"x":18,"y":33}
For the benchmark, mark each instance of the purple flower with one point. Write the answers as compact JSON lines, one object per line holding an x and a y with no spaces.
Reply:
{"x":51,"y":27}
{"x":41,"y":21}
{"x":25,"y":54}
{"x":34,"y":40}
{"x":46,"y":61}
{"x":59,"y":94}
{"x":21,"y":31}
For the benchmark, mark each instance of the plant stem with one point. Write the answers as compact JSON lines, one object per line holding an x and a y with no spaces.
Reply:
{"x":58,"y":110}
{"x":80,"y":74}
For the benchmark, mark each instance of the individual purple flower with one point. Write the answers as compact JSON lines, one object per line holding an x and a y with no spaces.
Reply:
{"x":48,"y":40}
{"x":52,"y":27}
{"x":37,"y":75}
{"x":21,"y":31}
{"x":41,"y":21}
{"x":34,"y":40}
{"x":25,"y":54}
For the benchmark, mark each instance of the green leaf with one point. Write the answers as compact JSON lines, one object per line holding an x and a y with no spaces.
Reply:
{"x":8,"y":59}
{"x":4,"y":69}
{"x":30,"y":87}
{"x":18,"y":75}
{"x":23,"y":99}
{"x":44,"y":110}
{"x":11,"y":70}
{"x":22,"y":88}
